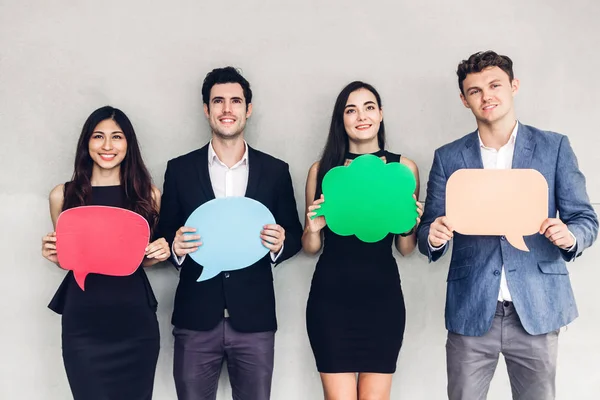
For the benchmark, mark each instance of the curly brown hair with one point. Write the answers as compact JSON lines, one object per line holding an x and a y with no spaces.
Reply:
{"x":481,"y":60}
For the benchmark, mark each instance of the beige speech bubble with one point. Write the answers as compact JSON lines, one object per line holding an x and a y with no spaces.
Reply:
{"x":509,"y":202}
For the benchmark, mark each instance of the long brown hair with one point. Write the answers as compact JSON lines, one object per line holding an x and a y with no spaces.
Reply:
{"x":135,"y":178}
{"x":337,"y":144}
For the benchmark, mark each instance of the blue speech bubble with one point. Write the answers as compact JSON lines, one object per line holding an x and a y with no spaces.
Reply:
{"x":229,"y":228}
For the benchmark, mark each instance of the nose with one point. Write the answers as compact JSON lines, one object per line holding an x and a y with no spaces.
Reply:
{"x":107,"y":144}
{"x":361,"y":115}
{"x":487,"y":95}
{"x":226,"y":107}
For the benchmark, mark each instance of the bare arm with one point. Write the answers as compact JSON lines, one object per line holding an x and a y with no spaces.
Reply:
{"x":56,"y":200}
{"x":406,"y":244}
{"x":311,"y":238}
{"x":158,"y":250}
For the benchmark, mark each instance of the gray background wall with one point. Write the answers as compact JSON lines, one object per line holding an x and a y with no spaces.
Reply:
{"x":60,"y":60}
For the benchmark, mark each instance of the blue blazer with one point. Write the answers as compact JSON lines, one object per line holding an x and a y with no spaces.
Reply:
{"x":538,"y":280}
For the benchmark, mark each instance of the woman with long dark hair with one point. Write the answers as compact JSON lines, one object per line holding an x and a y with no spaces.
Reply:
{"x":355,"y":312}
{"x":110,"y":336}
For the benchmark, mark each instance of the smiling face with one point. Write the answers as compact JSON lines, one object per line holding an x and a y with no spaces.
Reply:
{"x":107,"y":146}
{"x":226,"y":111}
{"x":489,"y":95}
{"x":362,"y":116}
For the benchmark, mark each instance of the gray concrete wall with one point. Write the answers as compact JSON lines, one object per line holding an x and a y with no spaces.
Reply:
{"x":60,"y":60}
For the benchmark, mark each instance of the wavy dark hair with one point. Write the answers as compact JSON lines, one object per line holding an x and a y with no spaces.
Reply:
{"x":225,"y":75}
{"x":135,"y":178}
{"x":481,"y":60}
{"x":336,"y":147}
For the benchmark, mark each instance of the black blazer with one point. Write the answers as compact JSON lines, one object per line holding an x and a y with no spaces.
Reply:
{"x":247,"y":293}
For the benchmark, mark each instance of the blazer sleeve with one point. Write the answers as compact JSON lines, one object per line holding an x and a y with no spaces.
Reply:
{"x":286,"y":215}
{"x":170,"y":211}
{"x":435,"y":206}
{"x":572,"y":201}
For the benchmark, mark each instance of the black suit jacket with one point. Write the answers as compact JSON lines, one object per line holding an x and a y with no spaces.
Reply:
{"x":247,"y":293}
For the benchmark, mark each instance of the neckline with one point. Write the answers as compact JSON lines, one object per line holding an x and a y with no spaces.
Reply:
{"x":107,"y":186}
{"x":352,"y":156}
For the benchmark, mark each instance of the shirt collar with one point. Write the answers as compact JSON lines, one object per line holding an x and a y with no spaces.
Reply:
{"x":212,"y":156}
{"x":511,"y":139}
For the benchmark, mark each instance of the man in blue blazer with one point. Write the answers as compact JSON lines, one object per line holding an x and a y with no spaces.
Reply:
{"x":500,"y":299}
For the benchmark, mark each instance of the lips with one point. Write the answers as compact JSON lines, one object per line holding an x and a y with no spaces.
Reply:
{"x":107,"y":157}
{"x":227,"y":121}
{"x":490,"y":107}
{"x":363,"y":127}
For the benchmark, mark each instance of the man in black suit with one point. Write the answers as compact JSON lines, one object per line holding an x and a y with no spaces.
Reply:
{"x":231,"y":316}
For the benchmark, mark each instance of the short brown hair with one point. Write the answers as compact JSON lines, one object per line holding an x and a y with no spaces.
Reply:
{"x":479,"y":61}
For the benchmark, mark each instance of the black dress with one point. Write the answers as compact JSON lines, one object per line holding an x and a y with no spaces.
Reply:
{"x":110,"y":337}
{"x":355,"y":313}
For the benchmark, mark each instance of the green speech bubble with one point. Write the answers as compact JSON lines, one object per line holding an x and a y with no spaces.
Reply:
{"x":369,"y":199}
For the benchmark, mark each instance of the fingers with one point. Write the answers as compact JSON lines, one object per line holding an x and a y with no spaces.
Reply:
{"x":49,"y":246}
{"x":420,"y":209}
{"x":274,"y":247}
{"x":273,"y":233}
{"x":160,"y":254}
{"x":313,"y":207}
{"x":51,"y":237}
{"x":159,"y":249}
{"x":48,"y":252}
{"x":272,"y":237}
{"x":183,"y":238}
{"x":555,"y":230}
{"x":184,"y":229}
{"x":439,"y":238}
{"x":445,"y":223}
{"x":548,"y":223}
{"x":184,"y":242}
{"x":183,"y":251}
{"x":440,"y":232}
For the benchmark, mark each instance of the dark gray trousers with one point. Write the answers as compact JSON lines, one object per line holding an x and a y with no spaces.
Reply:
{"x":199,"y":355}
{"x":530,"y":360}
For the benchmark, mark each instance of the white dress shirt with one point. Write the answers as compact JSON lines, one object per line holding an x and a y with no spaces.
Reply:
{"x":500,"y":159}
{"x":228,"y":182}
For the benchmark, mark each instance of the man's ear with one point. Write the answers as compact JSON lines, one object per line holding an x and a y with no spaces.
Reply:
{"x":206,"y":111}
{"x":249,"y":111}
{"x":464,"y":100}
{"x":515,"y":85}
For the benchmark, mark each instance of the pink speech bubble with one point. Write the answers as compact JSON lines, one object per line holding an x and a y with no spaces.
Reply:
{"x":509,"y":202}
{"x":102,"y":240}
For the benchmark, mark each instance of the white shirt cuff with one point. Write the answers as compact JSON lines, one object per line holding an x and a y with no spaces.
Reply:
{"x":274,"y":256}
{"x":574,"y":243}
{"x":178,"y":260}
{"x":435,"y":248}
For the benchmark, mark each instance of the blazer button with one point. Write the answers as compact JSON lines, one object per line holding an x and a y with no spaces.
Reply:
{"x":496,"y":272}
{"x":226,"y":274}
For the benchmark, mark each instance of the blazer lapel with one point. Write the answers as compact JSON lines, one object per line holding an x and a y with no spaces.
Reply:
{"x":254,"y":167}
{"x":203,"y":175}
{"x":524,"y":146}
{"x":472,"y":153}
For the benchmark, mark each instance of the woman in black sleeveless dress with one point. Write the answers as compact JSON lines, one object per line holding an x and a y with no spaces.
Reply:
{"x":110,"y":336}
{"x":355,"y":313}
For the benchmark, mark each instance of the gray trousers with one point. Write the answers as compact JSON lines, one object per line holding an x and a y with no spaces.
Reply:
{"x":199,"y":356}
{"x":530,"y":360}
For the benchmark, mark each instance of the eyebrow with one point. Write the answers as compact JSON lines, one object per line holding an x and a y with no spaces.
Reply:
{"x":489,"y":83}
{"x":223,"y":98}
{"x":113,"y":132}
{"x":352,"y":105}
